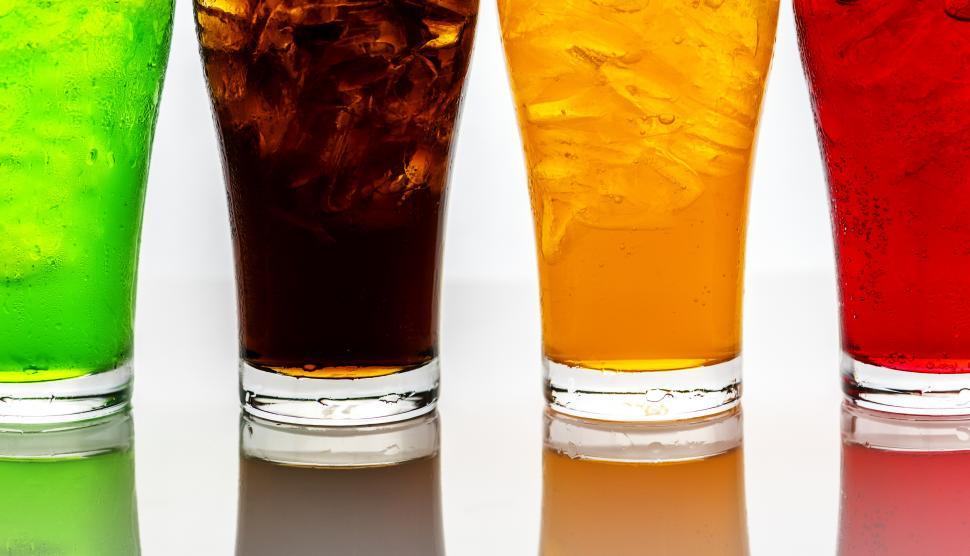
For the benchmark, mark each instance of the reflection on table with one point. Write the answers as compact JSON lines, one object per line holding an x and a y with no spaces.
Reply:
{"x":350,"y":490}
{"x":904,"y":484}
{"x":634,"y":489}
{"x":69,"y":488}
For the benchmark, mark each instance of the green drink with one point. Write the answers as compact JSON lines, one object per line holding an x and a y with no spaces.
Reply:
{"x":79,"y":89}
{"x":69,"y":492}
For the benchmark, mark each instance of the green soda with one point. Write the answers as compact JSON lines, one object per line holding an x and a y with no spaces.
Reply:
{"x":80,"y":82}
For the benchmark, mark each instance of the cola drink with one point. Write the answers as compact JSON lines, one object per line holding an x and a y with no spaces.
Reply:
{"x":336,"y":120}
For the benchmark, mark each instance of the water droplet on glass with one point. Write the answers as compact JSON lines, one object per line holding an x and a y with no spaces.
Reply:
{"x":964,"y":396}
{"x":390,"y":398}
{"x":655,"y":395}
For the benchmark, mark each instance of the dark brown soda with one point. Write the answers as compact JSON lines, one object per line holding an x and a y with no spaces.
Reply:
{"x":337,"y":121}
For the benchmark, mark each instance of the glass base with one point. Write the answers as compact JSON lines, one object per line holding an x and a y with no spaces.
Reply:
{"x":643,"y":396}
{"x":894,"y":391}
{"x":71,"y":399}
{"x":338,"y":401}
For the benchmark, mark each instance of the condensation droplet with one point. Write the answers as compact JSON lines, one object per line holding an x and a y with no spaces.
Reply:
{"x":667,"y":119}
{"x":964,"y":396}
{"x":655,"y":395}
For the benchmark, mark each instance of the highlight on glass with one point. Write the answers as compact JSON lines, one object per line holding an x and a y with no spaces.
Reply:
{"x":336,"y":123}
{"x":895,"y":138}
{"x":79,"y":89}
{"x":904,"y":487}
{"x":69,"y":488}
{"x":626,"y":488}
{"x":639,"y":122}
{"x":305,"y":491}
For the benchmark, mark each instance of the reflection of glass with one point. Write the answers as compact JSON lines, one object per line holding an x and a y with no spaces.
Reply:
{"x":904,"y":484}
{"x":618,"y":489}
{"x":79,"y":91}
{"x":349,"y":490}
{"x":890,"y":91}
{"x":337,"y":121}
{"x":638,"y":120}
{"x":69,"y":490}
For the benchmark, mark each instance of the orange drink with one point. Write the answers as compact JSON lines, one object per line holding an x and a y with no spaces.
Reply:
{"x":638,"y":121}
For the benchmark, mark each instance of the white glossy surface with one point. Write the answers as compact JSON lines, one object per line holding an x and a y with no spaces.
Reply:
{"x":186,"y":417}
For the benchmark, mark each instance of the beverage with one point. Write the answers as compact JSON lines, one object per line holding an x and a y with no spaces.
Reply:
{"x":628,"y":490}
{"x":895,"y":136}
{"x":79,"y":90}
{"x":337,"y":122}
{"x":69,"y":491}
{"x":361,"y":490}
{"x":904,"y":486}
{"x":638,"y":121}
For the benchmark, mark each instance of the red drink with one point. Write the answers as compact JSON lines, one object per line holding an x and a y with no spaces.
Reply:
{"x":891,"y":86}
{"x":890,"y":83}
{"x":908,"y":493}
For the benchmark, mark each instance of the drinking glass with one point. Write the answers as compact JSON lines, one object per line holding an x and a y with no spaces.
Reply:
{"x":638,"y":121}
{"x":889,"y":88}
{"x":904,"y":487}
{"x":336,"y":123}
{"x":79,"y":89}
{"x":69,"y":488}
{"x":340,"y":490}
{"x":635,"y":488}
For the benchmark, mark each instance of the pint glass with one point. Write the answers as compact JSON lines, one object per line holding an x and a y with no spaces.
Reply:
{"x":79,"y":88}
{"x":890,"y":87}
{"x":638,"y":121}
{"x":336,"y":121}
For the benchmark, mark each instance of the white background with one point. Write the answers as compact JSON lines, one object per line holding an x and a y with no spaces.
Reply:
{"x":186,"y":409}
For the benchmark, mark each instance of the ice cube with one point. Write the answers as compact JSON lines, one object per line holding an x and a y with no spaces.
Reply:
{"x":446,"y":33}
{"x":221,"y":30}
{"x":958,"y":9}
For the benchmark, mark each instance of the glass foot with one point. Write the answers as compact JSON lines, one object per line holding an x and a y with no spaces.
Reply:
{"x":645,"y":395}
{"x":894,"y":391}
{"x":70,"y":399}
{"x":339,"y":401}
